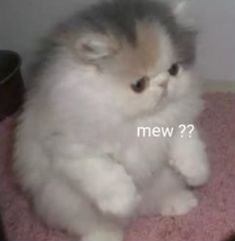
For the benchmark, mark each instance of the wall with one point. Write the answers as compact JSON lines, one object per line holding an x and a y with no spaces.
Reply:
{"x":216,"y":49}
{"x":23,"y":22}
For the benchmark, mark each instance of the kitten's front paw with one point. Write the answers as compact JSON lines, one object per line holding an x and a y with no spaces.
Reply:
{"x":119,"y":196}
{"x":199,"y":177}
{"x":120,"y":202}
{"x":196,"y":173}
{"x":179,"y":204}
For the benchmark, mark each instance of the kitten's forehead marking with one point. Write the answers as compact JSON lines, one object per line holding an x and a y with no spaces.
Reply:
{"x":147,"y":44}
{"x":141,"y":58}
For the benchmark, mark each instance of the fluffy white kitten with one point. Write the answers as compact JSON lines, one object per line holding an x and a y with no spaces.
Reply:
{"x":109,"y":69}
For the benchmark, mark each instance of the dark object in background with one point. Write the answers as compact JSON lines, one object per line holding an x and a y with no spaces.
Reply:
{"x":2,"y":234}
{"x":231,"y":237}
{"x":11,"y":83}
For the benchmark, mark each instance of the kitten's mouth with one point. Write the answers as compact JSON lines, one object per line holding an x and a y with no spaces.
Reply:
{"x":161,"y":101}
{"x":163,"y":94}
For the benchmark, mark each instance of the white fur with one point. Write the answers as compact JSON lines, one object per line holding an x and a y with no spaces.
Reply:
{"x":78,"y":153}
{"x":180,"y":7}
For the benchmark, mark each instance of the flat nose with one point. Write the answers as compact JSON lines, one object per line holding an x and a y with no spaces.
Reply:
{"x":164,"y":83}
{"x":162,"y":80}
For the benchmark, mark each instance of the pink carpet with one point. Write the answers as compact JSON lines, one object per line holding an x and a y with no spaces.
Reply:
{"x":213,"y":220}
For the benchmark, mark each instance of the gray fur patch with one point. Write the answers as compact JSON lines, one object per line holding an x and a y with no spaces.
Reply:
{"x":120,"y":16}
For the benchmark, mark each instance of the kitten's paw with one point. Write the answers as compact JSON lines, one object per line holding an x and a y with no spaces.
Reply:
{"x":199,"y":175}
{"x":196,"y":173}
{"x":179,"y":204}
{"x":119,"y":196}
{"x":121,"y":202}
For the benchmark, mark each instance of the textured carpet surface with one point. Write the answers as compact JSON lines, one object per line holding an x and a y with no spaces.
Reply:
{"x":212,"y":220}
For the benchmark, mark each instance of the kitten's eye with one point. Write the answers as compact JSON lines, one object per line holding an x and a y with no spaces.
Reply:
{"x":140,"y":85}
{"x":174,"y":69}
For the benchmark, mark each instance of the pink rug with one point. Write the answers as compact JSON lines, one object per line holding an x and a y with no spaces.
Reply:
{"x":213,"y":220}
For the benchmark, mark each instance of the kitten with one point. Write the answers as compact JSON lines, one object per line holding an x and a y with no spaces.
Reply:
{"x":108,"y":70}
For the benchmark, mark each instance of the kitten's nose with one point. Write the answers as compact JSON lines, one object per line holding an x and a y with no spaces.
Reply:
{"x":164,"y":83}
{"x":162,"y":80}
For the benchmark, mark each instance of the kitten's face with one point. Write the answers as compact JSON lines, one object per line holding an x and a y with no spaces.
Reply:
{"x":137,"y":79}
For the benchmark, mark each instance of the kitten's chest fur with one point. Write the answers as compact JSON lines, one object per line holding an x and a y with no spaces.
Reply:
{"x":142,"y":156}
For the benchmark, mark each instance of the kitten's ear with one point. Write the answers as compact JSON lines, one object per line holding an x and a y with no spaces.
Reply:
{"x":182,"y":10}
{"x":180,"y":7}
{"x":95,"y":46}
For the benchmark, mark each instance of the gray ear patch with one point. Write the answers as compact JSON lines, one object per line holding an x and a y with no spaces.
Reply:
{"x":119,"y":18}
{"x":180,"y":7}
